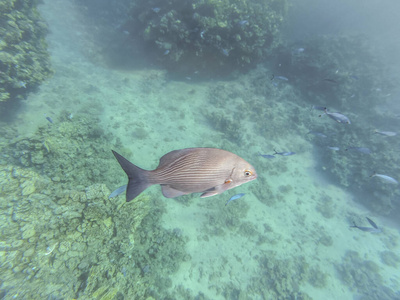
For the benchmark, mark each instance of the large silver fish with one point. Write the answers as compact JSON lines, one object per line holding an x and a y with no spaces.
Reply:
{"x":208,"y":171}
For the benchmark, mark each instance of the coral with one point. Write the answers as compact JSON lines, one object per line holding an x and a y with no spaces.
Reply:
{"x":390,"y":258}
{"x":281,"y":278}
{"x":24,"y":60}
{"x":363,"y":276}
{"x":207,"y":35}
{"x":62,"y":236}
{"x":317,"y":278}
{"x":231,"y":128}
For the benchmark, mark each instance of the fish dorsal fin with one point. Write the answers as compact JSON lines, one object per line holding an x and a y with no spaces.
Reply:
{"x":173,"y":156}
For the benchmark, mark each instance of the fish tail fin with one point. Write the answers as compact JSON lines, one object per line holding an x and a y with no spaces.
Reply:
{"x":138,"y":178}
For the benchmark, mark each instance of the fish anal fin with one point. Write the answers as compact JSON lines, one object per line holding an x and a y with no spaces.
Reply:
{"x":170,"y":192}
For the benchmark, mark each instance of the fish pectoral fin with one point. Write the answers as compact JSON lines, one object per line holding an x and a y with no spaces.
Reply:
{"x":209,"y":193}
{"x":219,"y":189}
{"x":170,"y":192}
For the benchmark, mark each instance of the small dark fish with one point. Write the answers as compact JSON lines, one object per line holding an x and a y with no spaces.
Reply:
{"x":49,"y":119}
{"x":317,"y":134}
{"x":282,"y":78}
{"x":243,"y":22}
{"x":284,"y":153}
{"x":208,"y":171}
{"x":166,"y":52}
{"x":330,"y":80}
{"x":354,"y":77}
{"x":373,"y":229}
{"x":322,"y":108}
{"x":156,"y":9}
{"x":118,"y":191}
{"x":360,"y":149}
{"x":372,"y":223}
{"x":235,"y":197}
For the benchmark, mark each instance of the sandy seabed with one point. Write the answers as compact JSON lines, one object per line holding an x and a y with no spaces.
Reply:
{"x":282,"y":215}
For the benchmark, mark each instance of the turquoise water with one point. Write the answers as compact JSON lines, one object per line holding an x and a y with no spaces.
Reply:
{"x":288,"y":237}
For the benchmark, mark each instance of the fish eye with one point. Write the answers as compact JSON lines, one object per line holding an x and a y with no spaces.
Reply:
{"x":247,"y":173}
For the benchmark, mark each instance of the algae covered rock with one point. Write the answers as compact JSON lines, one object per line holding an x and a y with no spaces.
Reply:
{"x":24,"y":60}
{"x":216,"y":36}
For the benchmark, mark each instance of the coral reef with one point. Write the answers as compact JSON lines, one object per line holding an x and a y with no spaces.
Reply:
{"x":331,"y":71}
{"x":363,"y":276}
{"x":61,"y":234}
{"x":390,"y":258}
{"x":216,"y":36}
{"x":24,"y":60}
{"x":281,"y":278}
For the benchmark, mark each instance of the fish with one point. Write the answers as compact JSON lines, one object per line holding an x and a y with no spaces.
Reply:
{"x":156,"y":9}
{"x":386,"y":178}
{"x":373,"y":229}
{"x":333,"y":148}
{"x":49,"y":119}
{"x":282,"y":78}
{"x":298,"y":50}
{"x":237,"y":196}
{"x":243,"y":22}
{"x":118,"y":191}
{"x":338,"y":117}
{"x":330,"y":80}
{"x":284,"y":153}
{"x":266,"y":155}
{"x":209,"y":171}
{"x":323,"y":108}
{"x":225,"y":51}
{"x":360,"y":149}
{"x":385,"y":133}
{"x":372,"y":223}
{"x":21,"y":84}
{"x":317,"y":134}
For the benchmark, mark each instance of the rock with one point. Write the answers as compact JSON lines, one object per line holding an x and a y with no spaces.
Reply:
{"x":56,"y":179}
{"x":17,"y":243}
{"x":37,"y":158}
{"x":29,"y":252}
{"x":28,"y":187}
{"x":108,"y":222}
{"x":28,"y":233}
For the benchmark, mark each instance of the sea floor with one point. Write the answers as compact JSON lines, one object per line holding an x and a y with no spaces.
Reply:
{"x":293,"y":224}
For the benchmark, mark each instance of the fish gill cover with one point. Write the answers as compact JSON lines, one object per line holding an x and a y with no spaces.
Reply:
{"x":217,"y":36}
{"x":24,"y":59}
